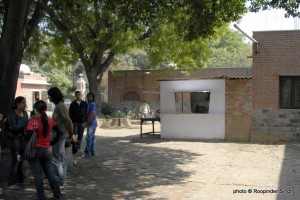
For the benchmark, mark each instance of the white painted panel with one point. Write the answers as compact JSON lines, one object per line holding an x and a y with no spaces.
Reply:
{"x":197,"y":126}
{"x":193,"y":126}
{"x":216,"y":88}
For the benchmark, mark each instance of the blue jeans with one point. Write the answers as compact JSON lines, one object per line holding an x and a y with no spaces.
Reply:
{"x":15,"y":173}
{"x":39,"y":164}
{"x":78,"y":130}
{"x":90,"y":141}
{"x":59,"y":161}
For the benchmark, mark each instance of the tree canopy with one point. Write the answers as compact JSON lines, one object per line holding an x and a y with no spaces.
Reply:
{"x":291,"y":7}
{"x":229,"y":49}
{"x":51,"y":57}
{"x":99,"y":30}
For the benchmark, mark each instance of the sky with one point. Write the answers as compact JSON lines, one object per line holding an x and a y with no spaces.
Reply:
{"x":266,"y":20}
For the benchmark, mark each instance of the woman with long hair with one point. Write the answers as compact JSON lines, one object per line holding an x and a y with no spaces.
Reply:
{"x":42,"y":160}
{"x":61,"y":117}
{"x":17,"y":120}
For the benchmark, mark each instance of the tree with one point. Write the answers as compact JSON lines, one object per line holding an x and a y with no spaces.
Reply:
{"x":136,"y":58}
{"x":52,"y":58}
{"x":229,"y":49}
{"x":19,"y":19}
{"x":291,"y":7}
{"x":99,"y":30}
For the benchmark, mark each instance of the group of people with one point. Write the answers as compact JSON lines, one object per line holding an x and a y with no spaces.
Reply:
{"x":52,"y":134}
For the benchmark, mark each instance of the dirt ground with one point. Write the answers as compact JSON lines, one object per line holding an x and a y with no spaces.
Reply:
{"x":129,"y":167}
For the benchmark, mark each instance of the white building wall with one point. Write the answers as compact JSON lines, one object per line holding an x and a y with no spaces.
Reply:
{"x":193,"y":126}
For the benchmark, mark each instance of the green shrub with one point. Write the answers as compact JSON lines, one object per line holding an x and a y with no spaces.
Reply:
{"x":106,"y":109}
{"x":118,"y":114}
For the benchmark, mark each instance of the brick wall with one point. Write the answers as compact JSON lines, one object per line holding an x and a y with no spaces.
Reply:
{"x":278,"y":55}
{"x":146,"y":85}
{"x":238,"y":104}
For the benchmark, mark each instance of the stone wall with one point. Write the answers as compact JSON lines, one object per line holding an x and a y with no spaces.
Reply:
{"x":238,"y":105}
{"x":273,"y":125}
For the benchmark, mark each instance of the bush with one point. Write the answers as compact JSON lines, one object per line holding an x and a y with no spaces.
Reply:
{"x":118,"y":114}
{"x":106,"y":109}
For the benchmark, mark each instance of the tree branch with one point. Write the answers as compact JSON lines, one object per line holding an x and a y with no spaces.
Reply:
{"x":97,"y":14}
{"x":38,"y":14}
{"x":73,"y":38}
{"x":107,"y":62}
{"x":148,"y":33}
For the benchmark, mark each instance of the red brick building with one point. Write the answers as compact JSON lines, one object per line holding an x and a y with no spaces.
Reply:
{"x":128,"y":88}
{"x":262,"y":104}
{"x":276,"y":86}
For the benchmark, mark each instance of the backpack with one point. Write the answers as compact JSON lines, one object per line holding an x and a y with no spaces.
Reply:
{"x":5,"y":133}
{"x":3,"y":129}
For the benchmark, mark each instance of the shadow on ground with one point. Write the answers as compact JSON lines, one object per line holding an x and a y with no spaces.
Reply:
{"x":289,"y":183}
{"x":122,"y":169}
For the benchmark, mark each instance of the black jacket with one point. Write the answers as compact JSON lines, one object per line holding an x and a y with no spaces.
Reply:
{"x":17,"y":124}
{"x":78,"y":113}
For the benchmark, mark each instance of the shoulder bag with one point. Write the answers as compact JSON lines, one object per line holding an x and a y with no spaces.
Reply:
{"x":30,"y":148}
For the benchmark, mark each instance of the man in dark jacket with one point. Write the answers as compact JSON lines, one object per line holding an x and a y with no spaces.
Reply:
{"x":78,"y":115}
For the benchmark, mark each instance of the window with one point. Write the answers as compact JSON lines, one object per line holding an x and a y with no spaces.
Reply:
{"x":200,"y":102}
{"x":192,"y":101}
{"x":290,"y":92}
{"x":131,"y":96}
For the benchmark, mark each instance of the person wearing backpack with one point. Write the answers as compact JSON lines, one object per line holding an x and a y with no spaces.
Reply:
{"x":17,"y":120}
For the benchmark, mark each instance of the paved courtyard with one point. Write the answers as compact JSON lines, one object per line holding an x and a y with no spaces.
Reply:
{"x":127,"y":167}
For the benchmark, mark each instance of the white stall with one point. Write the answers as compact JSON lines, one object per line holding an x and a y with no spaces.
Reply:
{"x":192,"y":109}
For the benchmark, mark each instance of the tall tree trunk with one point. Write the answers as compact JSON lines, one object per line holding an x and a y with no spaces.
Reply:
{"x":11,"y":50}
{"x":18,"y":25}
{"x":94,"y":85}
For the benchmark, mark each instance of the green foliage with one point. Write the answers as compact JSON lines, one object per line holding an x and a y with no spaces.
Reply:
{"x":118,"y":114}
{"x":121,"y":62}
{"x":226,"y":49}
{"x":161,"y":26}
{"x":106,"y":109}
{"x":229,"y":50}
{"x":166,"y":46}
{"x":290,"y":6}
{"x":201,"y":18}
{"x":56,"y":77}
{"x":138,"y":58}
{"x":52,"y":58}
{"x":168,"y":30}
{"x":54,"y":50}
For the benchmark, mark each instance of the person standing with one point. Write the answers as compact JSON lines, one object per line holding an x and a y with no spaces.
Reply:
{"x":17,"y":120}
{"x":91,"y":125}
{"x":42,"y":160}
{"x":78,"y":115}
{"x":144,"y":110}
{"x":61,"y":117}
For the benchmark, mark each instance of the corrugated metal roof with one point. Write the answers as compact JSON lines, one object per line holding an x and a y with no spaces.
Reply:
{"x":236,"y":77}
{"x":208,"y":77}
